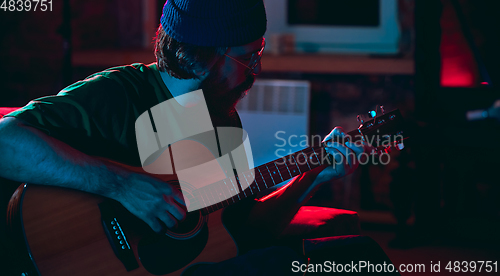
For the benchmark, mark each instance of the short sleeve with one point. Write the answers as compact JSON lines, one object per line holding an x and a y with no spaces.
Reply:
{"x":95,"y":115}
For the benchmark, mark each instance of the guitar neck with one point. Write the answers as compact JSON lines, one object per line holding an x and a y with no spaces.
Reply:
{"x":264,"y":176}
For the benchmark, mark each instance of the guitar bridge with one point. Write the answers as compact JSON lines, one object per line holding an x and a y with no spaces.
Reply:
{"x":116,"y":237}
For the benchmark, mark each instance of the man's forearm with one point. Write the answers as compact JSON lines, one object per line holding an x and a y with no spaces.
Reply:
{"x":29,"y":155}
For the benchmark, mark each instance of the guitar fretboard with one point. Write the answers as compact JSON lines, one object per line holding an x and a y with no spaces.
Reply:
{"x":229,"y":191}
{"x":233,"y":189}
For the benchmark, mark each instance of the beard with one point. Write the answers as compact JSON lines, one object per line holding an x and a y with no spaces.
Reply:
{"x":221,"y":100}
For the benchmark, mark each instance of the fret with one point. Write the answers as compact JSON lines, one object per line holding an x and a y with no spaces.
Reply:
{"x":225,"y":203}
{"x":304,"y":163}
{"x":217,"y":197}
{"x":199,"y":199}
{"x":319,"y":162}
{"x":276,"y":174}
{"x":304,"y":156}
{"x":225,"y":190}
{"x":310,"y":161}
{"x":205,"y":211}
{"x":235,"y":185}
{"x":206,"y":206}
{"x":219,"y":193}
{"x":293,"y":166}
{"x":252,"y":189}
{"x":288,"y":170}
{"x":236,"y":198}
{"x":274,"y":183}
{"x":246,"y":180}
{"x":204,"y":191}
{"x":279,"y":172}
{"x":249,"y":188}
{"x":285,"y":172}
{"x":283,"y":169}
{"x":243,"y":194}
{"x":216,"y":193}
{"x":260,"y":183}
{"x":296,"y":164}
{"x":251,"y":175}
{"x":211,"y":196}
{"x":219,"y":205}
{"x":228,"y":188}
{"x":237,"y":179}
{"x":262,"y":178}
{"x":210,"y":209}
{"x":214,"y":207}
{"x":256,"y":186}
{"x":236,"y":192}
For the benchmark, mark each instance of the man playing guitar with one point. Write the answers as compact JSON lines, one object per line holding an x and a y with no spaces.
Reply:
{"x":215,"y":46}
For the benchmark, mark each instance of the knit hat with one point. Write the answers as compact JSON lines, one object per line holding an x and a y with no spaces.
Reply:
{"x":223,"y":23}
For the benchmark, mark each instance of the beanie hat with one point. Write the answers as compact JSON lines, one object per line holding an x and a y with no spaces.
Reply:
{"x":220,"y":23}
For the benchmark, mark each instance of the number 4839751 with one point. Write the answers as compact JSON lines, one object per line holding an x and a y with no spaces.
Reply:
{"x":26,"y":5}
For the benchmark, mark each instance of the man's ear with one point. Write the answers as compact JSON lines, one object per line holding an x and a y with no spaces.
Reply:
{"x":201,"y":74}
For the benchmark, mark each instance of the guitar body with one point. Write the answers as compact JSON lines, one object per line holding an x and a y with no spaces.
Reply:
{"x":64,"y":235}
{"x":67,"y":232}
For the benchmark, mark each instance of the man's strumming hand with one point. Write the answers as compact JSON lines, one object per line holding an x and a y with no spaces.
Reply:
{"x":152,"y":200}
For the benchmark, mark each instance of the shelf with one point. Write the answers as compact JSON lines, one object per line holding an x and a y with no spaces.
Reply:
{"x":337,"y":64}
{"x":301,"y":63}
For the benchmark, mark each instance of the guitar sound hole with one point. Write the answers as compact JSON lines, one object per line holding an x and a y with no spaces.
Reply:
{"x":162,"y":254}
{"x":190,"y":226}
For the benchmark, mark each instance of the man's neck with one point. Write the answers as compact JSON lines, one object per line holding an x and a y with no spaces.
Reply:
{"x":178,"y":87}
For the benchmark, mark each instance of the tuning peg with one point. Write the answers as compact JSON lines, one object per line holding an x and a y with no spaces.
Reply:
{"x":382,"y":109}
{"x":372,"y":114}
{"x":360,"y":119}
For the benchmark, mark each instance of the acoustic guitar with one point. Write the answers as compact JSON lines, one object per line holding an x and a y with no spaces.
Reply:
{"x":67,"y":232}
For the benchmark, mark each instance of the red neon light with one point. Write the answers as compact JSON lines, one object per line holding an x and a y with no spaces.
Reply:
{"x":280,"y":190}
{"x":458,"y":66}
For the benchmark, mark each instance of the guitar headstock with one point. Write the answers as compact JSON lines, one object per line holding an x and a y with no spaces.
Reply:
{"x":383,"y":131}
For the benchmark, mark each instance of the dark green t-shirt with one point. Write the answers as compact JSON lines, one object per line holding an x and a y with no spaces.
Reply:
{"x":97,"y":115}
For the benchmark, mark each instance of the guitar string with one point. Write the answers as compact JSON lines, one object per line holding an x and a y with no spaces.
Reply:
{"x":267,"y":175}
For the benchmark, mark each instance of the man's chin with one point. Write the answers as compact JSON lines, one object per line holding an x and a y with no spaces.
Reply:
{"x":241,"y":90}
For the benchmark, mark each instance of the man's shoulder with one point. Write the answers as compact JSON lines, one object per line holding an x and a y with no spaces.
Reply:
{"x":137,"y":80}
{"x":134,"y":68}
{"x":136,"y":72}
